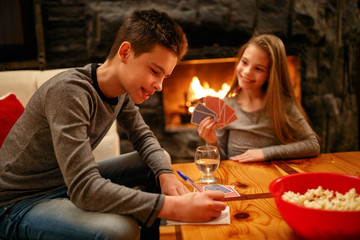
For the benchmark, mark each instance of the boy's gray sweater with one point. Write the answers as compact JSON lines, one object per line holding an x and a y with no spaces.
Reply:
{"x":50,"y":147}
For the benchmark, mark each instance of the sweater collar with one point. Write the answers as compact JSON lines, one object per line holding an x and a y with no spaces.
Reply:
{"x":112,"y":101}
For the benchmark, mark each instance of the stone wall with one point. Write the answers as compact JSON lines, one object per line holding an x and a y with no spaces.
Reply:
{"x":323,"y":33}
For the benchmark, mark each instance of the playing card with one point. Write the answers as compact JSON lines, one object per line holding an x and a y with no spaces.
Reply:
{"x":202,"y":108}
{"x":217,"y":187}
{"x":216,"y":108}
{"x":229,"y":190}
{"x":200,"y":112}
{"x":227,"y":114}
{"x":222,"y":123}
{"x":214,"y":104}
{"x":221,"y":104}
{"x":197,"y":117}
{"x":231,"y":119}
{"x":233,"y":192}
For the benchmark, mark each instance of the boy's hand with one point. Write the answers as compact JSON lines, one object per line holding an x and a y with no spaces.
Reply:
{"x":202,"y":207}
{"x":171,"y":186}
{"x":195,"y":207}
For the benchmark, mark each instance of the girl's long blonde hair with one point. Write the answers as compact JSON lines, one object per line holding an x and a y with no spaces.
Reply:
{"x":278,"y":88}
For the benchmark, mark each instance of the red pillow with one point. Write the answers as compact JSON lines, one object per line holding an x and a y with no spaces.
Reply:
{"x":10,"y":110}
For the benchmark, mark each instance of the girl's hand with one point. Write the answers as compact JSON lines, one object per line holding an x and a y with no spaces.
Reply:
{"x":206,"y":130}
{"x":251,"y":155}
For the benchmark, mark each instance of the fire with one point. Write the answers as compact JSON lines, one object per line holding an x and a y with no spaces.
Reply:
{"x":197,"y":91}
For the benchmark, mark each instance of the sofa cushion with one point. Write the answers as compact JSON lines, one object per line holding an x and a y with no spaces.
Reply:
{"x":43,"y":76}
{"x":10,"y":110}
{"x":20,"y":82}
{"x":23,"y":83}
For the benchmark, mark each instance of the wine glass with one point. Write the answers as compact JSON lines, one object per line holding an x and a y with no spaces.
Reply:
{"x":207,"y":160}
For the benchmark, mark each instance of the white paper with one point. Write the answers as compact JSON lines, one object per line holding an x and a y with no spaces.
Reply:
{"x":223,"y":219}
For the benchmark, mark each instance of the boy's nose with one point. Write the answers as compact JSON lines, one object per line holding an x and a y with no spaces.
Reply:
{"x":158,"y":85}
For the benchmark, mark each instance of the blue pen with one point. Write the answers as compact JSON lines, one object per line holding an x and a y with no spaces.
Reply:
{"x":187,"y":179}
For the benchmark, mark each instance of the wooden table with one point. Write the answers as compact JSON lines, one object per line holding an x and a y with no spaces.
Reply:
{"x":254,"y":215}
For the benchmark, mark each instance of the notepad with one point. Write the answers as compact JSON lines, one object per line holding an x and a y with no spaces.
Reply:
{"x":223,"y":219}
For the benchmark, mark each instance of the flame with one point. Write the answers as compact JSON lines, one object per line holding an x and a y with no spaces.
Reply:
{"x":197,"y":91}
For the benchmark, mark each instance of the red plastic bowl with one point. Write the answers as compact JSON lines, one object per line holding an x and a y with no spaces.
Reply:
{"x":314,"y":223}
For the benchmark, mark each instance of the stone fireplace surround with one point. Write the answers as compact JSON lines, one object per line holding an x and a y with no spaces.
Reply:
{"x":324,"y":34}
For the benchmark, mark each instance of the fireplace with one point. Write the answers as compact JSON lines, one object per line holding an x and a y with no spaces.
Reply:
{"x":211,"y":73}
{"x":214,"y":72}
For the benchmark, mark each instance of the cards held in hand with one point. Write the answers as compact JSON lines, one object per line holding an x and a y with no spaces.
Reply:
{"x":216,"y":109}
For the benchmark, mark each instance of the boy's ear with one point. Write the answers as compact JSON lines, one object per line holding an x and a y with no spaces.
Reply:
{"x":124,"y":51}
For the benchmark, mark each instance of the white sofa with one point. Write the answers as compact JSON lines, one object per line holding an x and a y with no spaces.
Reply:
{"x":23,"y":83}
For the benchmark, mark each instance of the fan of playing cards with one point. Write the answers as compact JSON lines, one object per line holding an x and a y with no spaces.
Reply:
{"x":215,"y":108}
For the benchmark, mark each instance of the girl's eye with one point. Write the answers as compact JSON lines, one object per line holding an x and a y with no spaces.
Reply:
{"x":260,"y":69}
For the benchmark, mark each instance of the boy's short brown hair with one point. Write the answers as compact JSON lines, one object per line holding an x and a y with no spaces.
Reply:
{"x":145,"y":28}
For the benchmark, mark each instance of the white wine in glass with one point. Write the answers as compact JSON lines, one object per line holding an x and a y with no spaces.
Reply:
{"x":207,"y":160}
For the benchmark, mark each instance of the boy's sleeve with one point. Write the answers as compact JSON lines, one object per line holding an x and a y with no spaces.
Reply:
{"x":87,"y":189}
{"x":142,"y":138}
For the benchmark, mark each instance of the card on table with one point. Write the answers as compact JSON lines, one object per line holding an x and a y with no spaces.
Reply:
{"x":229,"y":190}
{"x":215,"y":108}
{"x":217,"y":187}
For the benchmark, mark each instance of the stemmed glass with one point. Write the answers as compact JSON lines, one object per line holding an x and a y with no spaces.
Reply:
{"x":207,"y":160}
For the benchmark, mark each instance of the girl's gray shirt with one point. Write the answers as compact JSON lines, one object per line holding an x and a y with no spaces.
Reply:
{"x":254,"y":130}
{"x":50,"y":147}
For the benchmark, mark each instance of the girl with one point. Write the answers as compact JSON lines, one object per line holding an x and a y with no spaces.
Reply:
{"x":271,"y":122}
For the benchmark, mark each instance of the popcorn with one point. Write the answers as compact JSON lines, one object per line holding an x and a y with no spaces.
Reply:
{"x":325,"y":199}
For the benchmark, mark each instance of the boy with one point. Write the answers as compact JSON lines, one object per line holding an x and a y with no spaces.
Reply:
{"x":50,"y":185}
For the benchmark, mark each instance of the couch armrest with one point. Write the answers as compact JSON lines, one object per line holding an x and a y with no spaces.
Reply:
{"x":25,"y":82}
{"x":43,"y":76}
{"x":110,"y":145}
{"x":22,"y":83}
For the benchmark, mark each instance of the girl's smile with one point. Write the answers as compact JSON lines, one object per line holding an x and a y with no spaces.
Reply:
{"x":253,"y":68}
